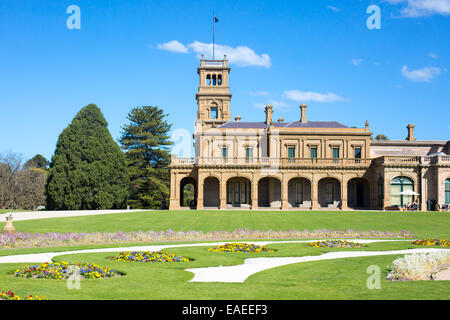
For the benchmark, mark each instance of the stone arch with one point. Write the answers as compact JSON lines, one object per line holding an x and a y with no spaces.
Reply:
{"x":192,"y":201}
{"x":269,"y":192}
{"x":358,"y":193}
{"x":211,"y":192}
{"x":329,"y":192}
{"x":238,"y":192}
{"x":299,"y":192}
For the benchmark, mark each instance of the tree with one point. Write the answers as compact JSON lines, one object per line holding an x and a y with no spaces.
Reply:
{"x":38,"y":161}
{"x":20,"y":187}
{"x":146,"y":143}
{"x":381,"y":137}
{"x":88,"y":169}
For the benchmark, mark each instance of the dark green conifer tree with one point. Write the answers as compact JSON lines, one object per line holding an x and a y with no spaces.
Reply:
{"x":88,"y":169}
{"x":146,"y":143}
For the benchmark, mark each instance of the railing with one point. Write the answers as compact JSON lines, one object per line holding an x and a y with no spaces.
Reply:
{"x":264,"y":161}
{"x":412,"y":160}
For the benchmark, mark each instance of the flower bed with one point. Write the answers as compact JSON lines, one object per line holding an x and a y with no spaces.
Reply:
{"x":336,"y":244}
{"x":149,"y":256}
{"x":418,"y":266}
{"x":9,"y":295}
{"x":240,"y":247}
{"x":52,"y":239}
{"x":432,"y":242}
{"x":63,"y":270}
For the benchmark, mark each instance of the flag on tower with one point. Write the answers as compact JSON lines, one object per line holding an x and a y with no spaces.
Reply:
{"x":215,"y":19}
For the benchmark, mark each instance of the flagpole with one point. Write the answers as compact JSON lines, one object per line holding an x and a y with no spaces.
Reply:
{"x":214,"y":22}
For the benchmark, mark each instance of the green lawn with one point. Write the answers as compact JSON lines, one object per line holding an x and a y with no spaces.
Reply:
{"x":432,"y":224}
{"x":338,"y":279}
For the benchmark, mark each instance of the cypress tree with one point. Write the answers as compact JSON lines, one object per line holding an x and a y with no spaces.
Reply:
{"x":88,"y":169}
{"x":146,"y":143}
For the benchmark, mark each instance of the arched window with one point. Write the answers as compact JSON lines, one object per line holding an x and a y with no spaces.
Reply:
{"x":214,"y":80}
{"x":447,"y":191}
{"x":219,"y":79}
{"x":399,"y":185}
{"x":208,"y":80}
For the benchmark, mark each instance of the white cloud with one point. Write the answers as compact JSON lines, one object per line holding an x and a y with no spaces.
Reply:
{"x":277,"y":105}
{"x":425,"y":74}
{"x":333,"y":8}
{"x":419,"y":8}
{"x":433,"y":55}
{"x":357,"y":62}
{"x":242,"y":56}
{"x":259,"y":93}
{"x":173,"y":46}
{"x":302,"y":96}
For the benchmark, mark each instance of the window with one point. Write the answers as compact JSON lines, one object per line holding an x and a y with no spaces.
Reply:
{"x":214,"y":80}
{"x":214,"y":113}
{"x":447,"y":191}
{"x":237,"y":198}
{"x":229,"y":193}
{"x":358,"y":153}
{"x":219,"y":79}
{"x":244,"y":192}
{"x":291,"y":153}
{"x":313,"y":151}
{"x":224,"y":153}
{"x":398,"y":186}
{"x":208,"y":80}
{"x":329,"y":192}
{"x":299,"y":192}
{"x":335,"y":153}
{"x":249,"y":154}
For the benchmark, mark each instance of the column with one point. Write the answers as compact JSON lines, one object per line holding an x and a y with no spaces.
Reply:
{"x":200,"y":193}
{"x":223,"y":194}
{"x":344,"y":194}
{"x":387,"y":193}
{"x":174,"y":203}
{"x":423,"y":195}
{"x":314,"y":194}
{"x":284,"y":194}
{"x":254,"y":194}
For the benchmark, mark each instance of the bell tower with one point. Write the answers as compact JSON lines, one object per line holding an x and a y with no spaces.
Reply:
{"x":213,"y":97}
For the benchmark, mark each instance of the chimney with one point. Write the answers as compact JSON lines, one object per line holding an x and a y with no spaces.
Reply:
{"x":410,"y":136}
{"x":269,"y":112}
{"x":237,"y":119}
{"x":303,"y":110}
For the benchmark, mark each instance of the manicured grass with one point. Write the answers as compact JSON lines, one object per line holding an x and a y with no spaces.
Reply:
{"x":333,"y":279}
{"x":427,"y":224}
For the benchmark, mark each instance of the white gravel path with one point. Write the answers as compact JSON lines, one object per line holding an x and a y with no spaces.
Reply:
{"x":251,"y":266}
{"x":48,"y":256}
{"x":238,"y":273}
{"x":32,"y":215}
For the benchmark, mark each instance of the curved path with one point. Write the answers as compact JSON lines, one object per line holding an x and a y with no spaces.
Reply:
{"x":48,"y":256}
{"x":33,"y":215}
{"x":238,"y":273}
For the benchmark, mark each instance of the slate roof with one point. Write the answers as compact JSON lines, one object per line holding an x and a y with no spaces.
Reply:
{"x":292,"y":124}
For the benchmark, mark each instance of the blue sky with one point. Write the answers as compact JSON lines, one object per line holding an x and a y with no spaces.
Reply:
{"x":133,"y":53}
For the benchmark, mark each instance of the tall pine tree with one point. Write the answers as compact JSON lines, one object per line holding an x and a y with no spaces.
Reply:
{"x":146,"y":143}
{"x":88,"y":169}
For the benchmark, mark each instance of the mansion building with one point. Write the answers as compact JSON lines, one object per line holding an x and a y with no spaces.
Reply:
{"x":300,"y":164}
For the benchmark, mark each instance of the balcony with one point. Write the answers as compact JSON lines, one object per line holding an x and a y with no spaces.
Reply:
{"x":267,"y":162}
{"x":411,"y":160}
